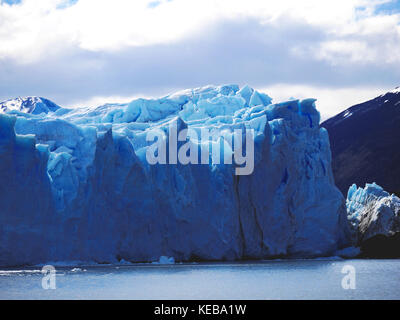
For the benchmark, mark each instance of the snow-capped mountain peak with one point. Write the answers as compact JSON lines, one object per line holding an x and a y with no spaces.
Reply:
{"x":33,"y":105}
{"x":364,"y":143}
{"x":396,"y":90}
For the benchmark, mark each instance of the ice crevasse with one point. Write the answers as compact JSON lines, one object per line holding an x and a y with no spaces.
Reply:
{"x":75,"y":184}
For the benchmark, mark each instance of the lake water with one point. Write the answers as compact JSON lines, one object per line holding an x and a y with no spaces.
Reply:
{"x":287,"y":279}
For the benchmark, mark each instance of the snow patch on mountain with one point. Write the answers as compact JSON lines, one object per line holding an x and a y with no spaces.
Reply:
{"x":33,"y":105}
{"x":396,"y":90}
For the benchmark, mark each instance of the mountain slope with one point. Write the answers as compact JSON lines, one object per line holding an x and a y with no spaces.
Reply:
{"x":365,"y":143}
{"x":34,"y":105}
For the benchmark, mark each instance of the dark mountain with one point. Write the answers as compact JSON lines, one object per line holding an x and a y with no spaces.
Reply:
{"x":365,"y":143}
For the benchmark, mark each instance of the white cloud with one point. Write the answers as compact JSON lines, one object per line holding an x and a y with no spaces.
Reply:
{"x":372,"y":39}
{"x":35,"y":29}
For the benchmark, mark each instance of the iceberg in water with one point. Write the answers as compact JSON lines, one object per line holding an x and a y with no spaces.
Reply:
{"x":76,"y":183}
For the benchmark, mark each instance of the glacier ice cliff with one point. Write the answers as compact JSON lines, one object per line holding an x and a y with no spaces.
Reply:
{"x":75,"y":184}
{"x":374,"y":215}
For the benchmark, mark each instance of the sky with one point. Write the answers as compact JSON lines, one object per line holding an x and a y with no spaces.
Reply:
{"x":89,"y":52}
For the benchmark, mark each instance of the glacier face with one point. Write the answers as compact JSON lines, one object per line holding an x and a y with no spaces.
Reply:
{"x":372,"y":212}
{"x":75,"y":183}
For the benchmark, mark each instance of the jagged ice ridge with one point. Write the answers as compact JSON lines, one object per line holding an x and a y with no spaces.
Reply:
{"x":372,"y":212}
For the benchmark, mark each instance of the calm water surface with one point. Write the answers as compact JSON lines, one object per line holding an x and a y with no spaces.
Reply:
{"x":299,"y":279}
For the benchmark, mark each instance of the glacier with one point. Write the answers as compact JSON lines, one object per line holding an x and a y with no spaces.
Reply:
{"x":374,"y":217}
{"x":76,"y":186}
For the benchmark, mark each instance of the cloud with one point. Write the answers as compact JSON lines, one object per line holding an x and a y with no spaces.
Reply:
{"x":87,"y":51}
{"x":32,"y":29}
{"x":373,"y":40}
